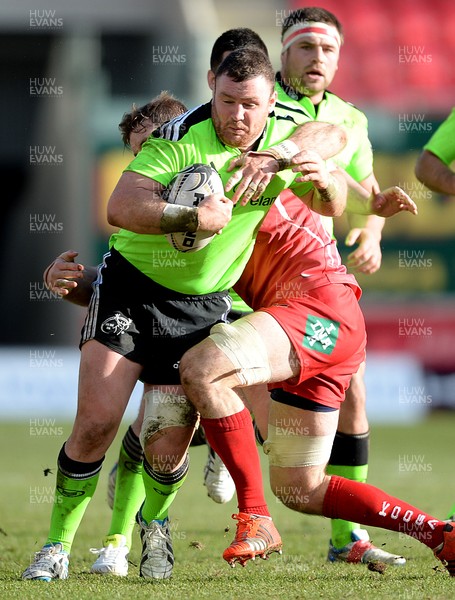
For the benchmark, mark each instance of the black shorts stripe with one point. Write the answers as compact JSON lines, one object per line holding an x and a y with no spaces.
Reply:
{"x":89,"y":328}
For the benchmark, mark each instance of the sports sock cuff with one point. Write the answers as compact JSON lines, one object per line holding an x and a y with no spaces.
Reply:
{"x":132,"y":445}
{"x":231,"y":423}
{"x":329,"y":505}
{"x":76,"y":469}
{"x":359,"y":473}
{"x":258,"y":511}
{"x":168,"y":478}
{"x":350,"y":450}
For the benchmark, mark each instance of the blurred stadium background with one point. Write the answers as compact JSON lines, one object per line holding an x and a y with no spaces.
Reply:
{"x":69,"y":71}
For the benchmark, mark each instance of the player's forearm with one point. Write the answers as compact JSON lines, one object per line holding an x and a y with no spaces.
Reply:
{"x":434,"y":174}
{"x":135,"y":205}
{"x":139,"y":213}
{"x":358,"y":198}
{"x":325,"y":138}
{"x":373,"y":223}
{"x":331,"y":201}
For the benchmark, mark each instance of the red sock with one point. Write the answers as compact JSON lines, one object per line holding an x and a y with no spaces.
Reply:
{"x":233,"y":440}
{"x":368,"y":505}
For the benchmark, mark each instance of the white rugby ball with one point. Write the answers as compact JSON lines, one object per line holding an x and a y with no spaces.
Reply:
{"x":188,"y":188}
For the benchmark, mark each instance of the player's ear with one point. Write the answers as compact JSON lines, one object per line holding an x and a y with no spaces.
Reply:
{"x":272,"y":101}
{"x":211,"y":79}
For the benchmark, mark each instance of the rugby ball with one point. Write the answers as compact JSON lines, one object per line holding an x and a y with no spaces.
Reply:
{"x":188,"y":188}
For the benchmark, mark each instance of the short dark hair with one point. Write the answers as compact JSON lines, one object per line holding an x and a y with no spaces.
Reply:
{"x":311,"y":13}
{"x":233,"y":39}
{"x":246,"y":63}
{"x":160,"y":109}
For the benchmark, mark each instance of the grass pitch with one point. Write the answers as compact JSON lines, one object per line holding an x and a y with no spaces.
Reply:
{"x":414,"y":463}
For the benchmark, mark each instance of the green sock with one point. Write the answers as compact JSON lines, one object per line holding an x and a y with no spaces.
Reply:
{"x":160,"y":490}
{"x":129,"y":487}
{"x":76,"y":484}
{"x":451,"y":513}
{"x":349,"y":459}
{"x":341,"y":530}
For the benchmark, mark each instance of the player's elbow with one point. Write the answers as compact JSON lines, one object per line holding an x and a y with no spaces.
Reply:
{"x":114,"y":212}
{"x":328,"y":209}
{"x":113,"y":220}
{"x":342,"y":135}
{"x":123,"y":199}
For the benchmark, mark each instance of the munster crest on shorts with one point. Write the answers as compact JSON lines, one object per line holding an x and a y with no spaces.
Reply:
{"x":321,"y":335}
{"x":116,"y":325}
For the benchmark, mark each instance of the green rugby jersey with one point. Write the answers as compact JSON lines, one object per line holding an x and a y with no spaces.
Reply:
{"x":442,"y":142}
{"x":191,"y":139}
{"x":356,"y":158}
{"x":238,"y":305}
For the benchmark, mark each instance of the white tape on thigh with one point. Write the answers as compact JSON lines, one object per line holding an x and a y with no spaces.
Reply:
{"x":244,"y":347}
{"x":286,"y":448}
{"x":164,"y":410}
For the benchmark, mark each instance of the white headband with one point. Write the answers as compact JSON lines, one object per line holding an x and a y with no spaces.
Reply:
{"x":308,"y":29}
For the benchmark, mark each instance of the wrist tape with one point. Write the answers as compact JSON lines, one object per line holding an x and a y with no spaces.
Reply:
{"x":177,"y":218}
{"x":331,"y":191}
{"x":283,"y":153}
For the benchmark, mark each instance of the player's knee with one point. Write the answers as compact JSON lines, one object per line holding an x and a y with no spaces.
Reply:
{"x":93,"y":436}
{"x":231,"y":349}
{"x":164,"y":410}
{"x":193,"y":369}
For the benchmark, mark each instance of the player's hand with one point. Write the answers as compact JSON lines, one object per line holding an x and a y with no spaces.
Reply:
{"x":367,"y":257}
{"x":391,"y":201}
{"x":60,"y":276}
{"x":312,"y":168}
{"x":254,"y":173}
{"x":214,"y":213}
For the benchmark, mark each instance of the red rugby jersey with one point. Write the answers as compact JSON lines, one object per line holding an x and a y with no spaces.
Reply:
{"x":293,"y":253}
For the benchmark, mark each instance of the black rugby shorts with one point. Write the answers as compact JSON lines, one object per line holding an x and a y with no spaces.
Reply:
{"x":146,"y":322}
